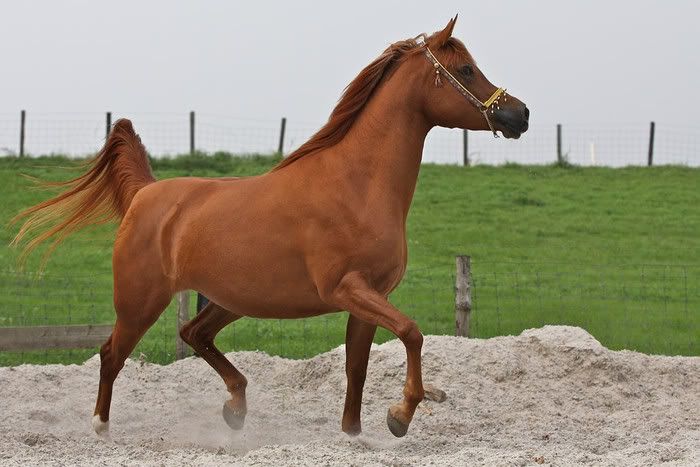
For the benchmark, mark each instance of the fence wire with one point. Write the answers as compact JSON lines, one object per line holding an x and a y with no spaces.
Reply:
{"x":648,"y":308}
{"x":613,"y":145}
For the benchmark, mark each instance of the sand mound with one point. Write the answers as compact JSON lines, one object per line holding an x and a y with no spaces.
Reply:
{"x":551,"y":395}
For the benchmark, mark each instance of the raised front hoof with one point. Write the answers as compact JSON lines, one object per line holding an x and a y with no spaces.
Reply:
{"x":235,"y":418}
{"x":396,"y":426}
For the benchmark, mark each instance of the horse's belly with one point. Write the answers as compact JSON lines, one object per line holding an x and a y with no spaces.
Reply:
{"x":253,"y":282}
{"x":269,"y":304}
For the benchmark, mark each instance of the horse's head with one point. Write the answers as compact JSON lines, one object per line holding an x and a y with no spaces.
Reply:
{"x":457,"y":92}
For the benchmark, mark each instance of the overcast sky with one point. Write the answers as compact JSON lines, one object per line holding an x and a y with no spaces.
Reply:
{"x":581,"y":61}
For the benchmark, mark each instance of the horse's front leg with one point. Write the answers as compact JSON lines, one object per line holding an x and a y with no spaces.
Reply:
{"x":354,"y":294}
{"x":199,"y":333}
{"x":358,"y":341}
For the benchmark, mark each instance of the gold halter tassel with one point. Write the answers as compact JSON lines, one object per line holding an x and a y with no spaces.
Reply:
{"x":438,"y":81}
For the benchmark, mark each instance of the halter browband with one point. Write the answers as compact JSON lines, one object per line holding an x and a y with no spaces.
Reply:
{"x":482,"y":106}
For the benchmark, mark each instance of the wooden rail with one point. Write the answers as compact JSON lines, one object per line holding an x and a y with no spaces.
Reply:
{"x":54,"y":337}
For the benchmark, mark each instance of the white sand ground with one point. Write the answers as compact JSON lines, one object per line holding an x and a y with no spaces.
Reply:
{"x":552,"y":395}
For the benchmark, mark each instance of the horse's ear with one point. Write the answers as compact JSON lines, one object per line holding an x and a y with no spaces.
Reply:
{"x":441,"y":37}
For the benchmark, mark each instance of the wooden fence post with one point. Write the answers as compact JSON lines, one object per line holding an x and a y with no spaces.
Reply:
{"x":108,"y":124}
{"x":192,"y":132}
{"x":652,"y":128}
{"x":22,"y":118}
{"x":183,"y":316}
{"x":465,"y":147}
{"x":463,"y":296}
{"x":283,"y":127}
{"x":559,"y":155}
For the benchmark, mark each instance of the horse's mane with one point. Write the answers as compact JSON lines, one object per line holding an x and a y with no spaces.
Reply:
{"x":358,"y":92}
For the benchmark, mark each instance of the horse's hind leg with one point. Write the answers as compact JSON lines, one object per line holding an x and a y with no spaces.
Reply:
{"x":358,"y":341}
{"x":199,"y":333}
{"x":132,"y":323}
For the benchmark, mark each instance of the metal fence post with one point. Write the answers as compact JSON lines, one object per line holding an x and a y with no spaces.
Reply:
{"x":108,"y":124}
{"x":192,"y":132}
{"x":559,"y":155}
{"x":652,"y":129}
{"x":283,"y":127}
{"x":22,"y":118}
{"x":465,"y":147}
{"x":183,"y":316}
{"x":463,"y":296}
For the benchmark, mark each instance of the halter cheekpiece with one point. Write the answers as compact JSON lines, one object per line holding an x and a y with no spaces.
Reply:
{"x":483,"y":107}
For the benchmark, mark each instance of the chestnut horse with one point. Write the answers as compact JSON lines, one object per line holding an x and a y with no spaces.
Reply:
{"x":323,"y":231}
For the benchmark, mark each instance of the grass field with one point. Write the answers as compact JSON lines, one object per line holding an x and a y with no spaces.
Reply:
{"x":615,"y":251}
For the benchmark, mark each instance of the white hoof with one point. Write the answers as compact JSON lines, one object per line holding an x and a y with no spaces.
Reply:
{"x":100,"y":427}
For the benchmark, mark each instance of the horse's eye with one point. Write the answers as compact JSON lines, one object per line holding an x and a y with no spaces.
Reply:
{"x":467,"y":71}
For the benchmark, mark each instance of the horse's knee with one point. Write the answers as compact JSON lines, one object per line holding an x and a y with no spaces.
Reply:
{"x":410,"y":335}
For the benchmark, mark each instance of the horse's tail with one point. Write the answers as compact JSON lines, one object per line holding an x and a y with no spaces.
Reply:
{"x":100,"y":195}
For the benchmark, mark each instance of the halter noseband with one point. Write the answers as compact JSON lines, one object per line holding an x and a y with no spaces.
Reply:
{"x":482,"y":106}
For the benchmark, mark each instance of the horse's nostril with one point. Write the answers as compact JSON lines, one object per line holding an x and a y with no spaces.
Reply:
{"x":526,"y":113}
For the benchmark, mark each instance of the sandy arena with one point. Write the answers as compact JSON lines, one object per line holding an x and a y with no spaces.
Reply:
{"x":551,"y":396}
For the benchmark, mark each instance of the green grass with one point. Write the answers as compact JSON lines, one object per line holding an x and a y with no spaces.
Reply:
{"x":615,"y":251}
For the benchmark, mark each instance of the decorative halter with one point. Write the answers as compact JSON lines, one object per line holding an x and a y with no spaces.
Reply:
{"x":440,"y":68}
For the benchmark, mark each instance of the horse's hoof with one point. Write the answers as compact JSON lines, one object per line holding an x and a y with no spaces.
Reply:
{"x":353,"y":430}
{"x":100,"y":427}
{"x":397,"y":427}
{"x":234,"y":418}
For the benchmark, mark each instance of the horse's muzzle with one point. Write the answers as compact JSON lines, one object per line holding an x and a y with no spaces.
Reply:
{"x":512,"y":121}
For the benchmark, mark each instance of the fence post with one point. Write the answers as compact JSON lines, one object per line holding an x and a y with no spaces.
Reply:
{"x":108,"y":124}
{"x":192,"y":132}
{"x":465,"y":146}
{"x":463,"y":296}
{"x":559,"y":156}
{"x":183,"y":316}
{"x":652,"y":128}
{"x":283,"y":127}
{"x":22,"y":118}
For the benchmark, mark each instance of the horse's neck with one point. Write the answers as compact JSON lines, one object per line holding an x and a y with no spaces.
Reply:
{"x":382,"y":152}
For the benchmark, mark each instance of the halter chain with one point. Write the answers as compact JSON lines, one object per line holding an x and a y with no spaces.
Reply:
{"x":482,"y":106}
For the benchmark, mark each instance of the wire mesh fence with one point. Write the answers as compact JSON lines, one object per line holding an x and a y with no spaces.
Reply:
{"x":614,"y":145}
{"x":648,"y":308}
